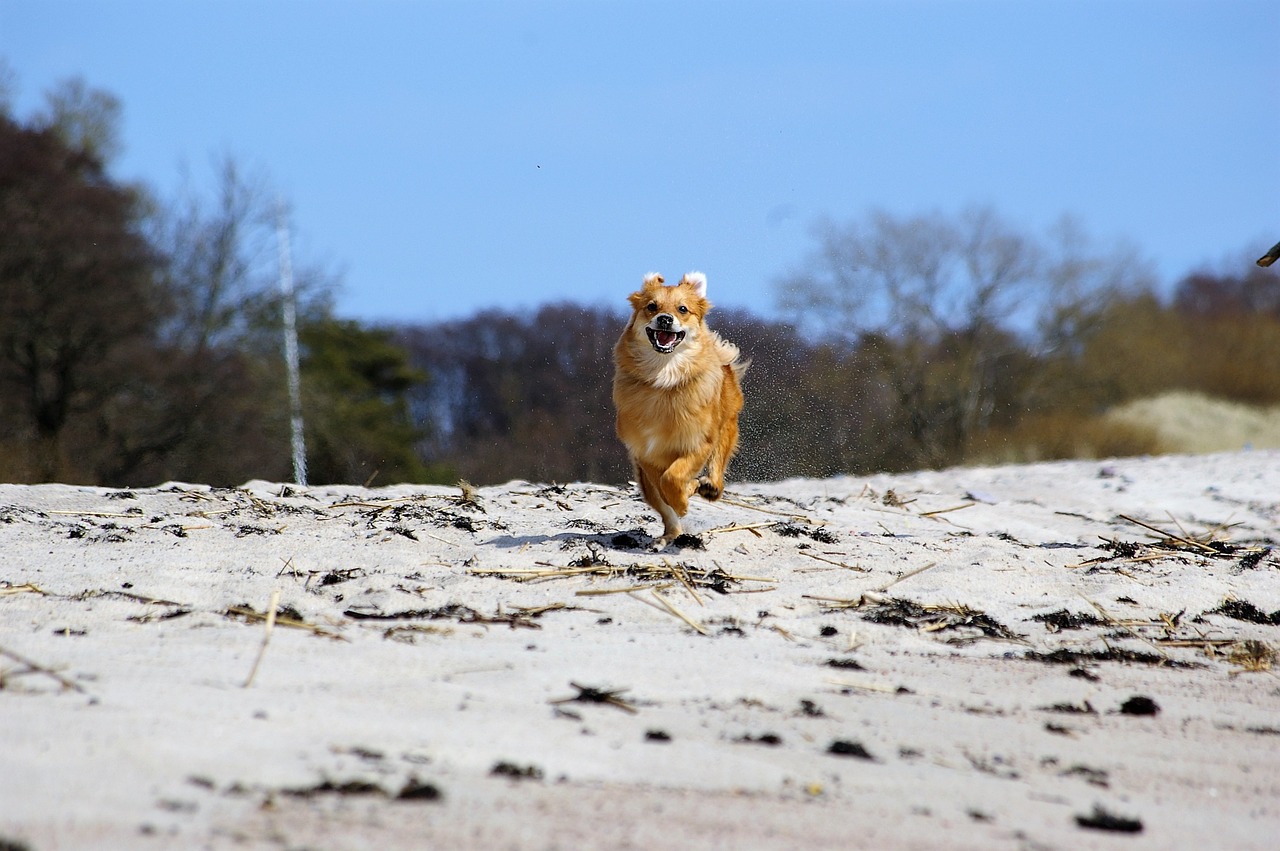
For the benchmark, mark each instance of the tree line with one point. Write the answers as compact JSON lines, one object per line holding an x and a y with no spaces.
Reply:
{"x":140,"y":342}
{"x":139,"y":336}
{"x":528,"y":395}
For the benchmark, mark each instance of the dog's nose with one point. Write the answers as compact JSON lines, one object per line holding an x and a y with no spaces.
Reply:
{"x":664,"y":321}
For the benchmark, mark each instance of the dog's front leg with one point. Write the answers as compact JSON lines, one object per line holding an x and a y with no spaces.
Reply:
{"x":649,"y":479}
{"x":678,"y":482}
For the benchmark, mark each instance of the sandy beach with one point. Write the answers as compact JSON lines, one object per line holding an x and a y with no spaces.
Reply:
{"x":1055,"y":656}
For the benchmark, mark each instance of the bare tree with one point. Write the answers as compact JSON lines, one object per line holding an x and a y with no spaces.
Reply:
{"x":225,"y":417}
{"x":1083,"y":281}
{"x":86,"y":119}
{"x":220,"y":254}
{"x":1087,"y":288}
{"x":934,"y":302}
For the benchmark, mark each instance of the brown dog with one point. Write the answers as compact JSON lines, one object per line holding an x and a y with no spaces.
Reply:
{"x":676,"y":389}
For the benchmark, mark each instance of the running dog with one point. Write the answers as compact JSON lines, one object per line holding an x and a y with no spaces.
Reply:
{"x":677,"y":391}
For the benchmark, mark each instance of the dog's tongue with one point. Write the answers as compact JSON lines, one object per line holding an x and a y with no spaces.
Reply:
{"x":665,"y":338}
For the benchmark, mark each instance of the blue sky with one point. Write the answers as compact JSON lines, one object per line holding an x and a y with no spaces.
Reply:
{"x":448,"y":157}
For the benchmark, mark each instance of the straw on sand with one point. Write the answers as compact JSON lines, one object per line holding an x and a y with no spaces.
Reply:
{"x":31,"y":667}
{"x":666,"y":605}
{"x":26,"y":588}
{"x":872,"y":595}
{"x":266,"y":636}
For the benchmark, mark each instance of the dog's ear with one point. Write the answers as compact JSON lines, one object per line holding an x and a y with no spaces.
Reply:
{"x":644,"y":295}
{"x":698,"y":281}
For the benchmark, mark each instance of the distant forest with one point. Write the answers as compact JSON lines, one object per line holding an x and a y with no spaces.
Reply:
{"x":140,"y":343}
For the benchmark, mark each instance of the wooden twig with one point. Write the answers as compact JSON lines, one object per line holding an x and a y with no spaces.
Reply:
{"x":534,"y":611}
{"x":266,"y":636}
{"x":872,"y":595}
{"x":1198,"y":643}
{"x":787,"y":635}
{"x":666,"y":605}
{"x":683,"y":576}
{"x":849,"y":602}
{"x":741,"y":527}
{"x":907,"y":575}
{"x":391,"y":502}
{"x":36,"y":668}
{"x":671,"y":607}
{"x":736,"y":578}
{"x":1189,"y":542}
{"x":287,"y":622}
{"x":545,"y":571}
{"x":178,"y":523}
{"x":836,"y":563}
{"x":947,"y":510}
{"x":887,"y":689}
{"x":788,"y":514}
{"x":28,"y":588}
{"x":128,"y":595}
{"x":599,"y":592}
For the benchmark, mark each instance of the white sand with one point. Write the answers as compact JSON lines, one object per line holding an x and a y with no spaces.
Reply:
{"x":131,"y":726}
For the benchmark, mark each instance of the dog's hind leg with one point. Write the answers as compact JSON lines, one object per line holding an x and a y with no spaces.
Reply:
{"x":711,"y":486}
{"x":649,"y":480}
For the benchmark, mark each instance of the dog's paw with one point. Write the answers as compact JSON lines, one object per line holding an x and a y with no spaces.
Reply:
{"x":708,"y":490}
{"x":670,"y":535}
{"x":678,"y":541}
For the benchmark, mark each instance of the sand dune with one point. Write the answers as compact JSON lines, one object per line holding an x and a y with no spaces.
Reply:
{"x":1069,"y":655}
{"x":1192,"y":422}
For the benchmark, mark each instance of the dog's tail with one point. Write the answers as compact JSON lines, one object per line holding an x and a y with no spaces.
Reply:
{"x":731,"y":356}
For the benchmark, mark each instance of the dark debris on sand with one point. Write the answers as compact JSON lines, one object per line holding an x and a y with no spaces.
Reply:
{"x":936,"y":618}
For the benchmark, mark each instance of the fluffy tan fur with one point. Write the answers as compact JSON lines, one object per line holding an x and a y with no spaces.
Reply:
{"x":677,"y":393}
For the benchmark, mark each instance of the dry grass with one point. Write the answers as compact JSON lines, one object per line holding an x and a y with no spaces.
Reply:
{"x":1251,"y":656}
{"x":659,"y":575}
{"x":26,"y":666}
{"x":1063,"y":435}
{"x":1209,"y":544}
{"x":266,"y":636}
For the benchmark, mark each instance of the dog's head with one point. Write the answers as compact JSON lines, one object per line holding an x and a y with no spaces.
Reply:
{"x":670,"y":317}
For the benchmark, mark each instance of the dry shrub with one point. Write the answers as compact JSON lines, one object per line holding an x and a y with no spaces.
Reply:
{"x":1139,"y":349}
{"x":16,"y":464}
{"x":1237,"y":358}
{"x":1062,"y":434}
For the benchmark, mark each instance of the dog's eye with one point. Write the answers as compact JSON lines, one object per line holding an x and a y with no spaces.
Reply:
{"x":684,"y":309}
{"x":653,"y":305}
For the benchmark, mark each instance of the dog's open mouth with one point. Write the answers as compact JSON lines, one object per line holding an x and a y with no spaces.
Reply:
{"x":664,"y":342}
